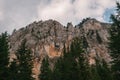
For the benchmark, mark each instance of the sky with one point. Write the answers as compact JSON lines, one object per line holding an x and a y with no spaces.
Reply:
{"x":15,"y":14}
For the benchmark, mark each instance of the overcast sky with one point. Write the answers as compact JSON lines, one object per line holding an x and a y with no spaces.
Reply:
{"x":19,"y":13}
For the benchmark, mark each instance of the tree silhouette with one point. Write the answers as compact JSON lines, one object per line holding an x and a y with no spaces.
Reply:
{"x":4,"y":57}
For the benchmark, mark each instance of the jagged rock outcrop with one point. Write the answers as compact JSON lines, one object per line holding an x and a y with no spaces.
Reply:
{"x":46,"y":38}
{"x":95,"y":39}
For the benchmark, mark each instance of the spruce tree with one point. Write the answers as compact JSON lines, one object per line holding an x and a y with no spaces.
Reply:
{"x":13,"y":68}
{"x":4,"y":57}
{"x":71,"y":61}
{"x":84,"y":68}
{"x":72,"y":65}
{"x":45,"y":71}
{"x":21,"y":68}
{"x":114,"y":44}
{"x":94,"y":73}
{"x":106,"y":71}
{"x":103,"y":70}
{"x":58,"y":70}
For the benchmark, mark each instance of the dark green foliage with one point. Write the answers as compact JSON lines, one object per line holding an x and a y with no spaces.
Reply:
{"x":103,"y":70}
{"x":114,"y":44}
{"x":13,"y":70}
{"x":74,"y":65}
{"x":94,"y":73}
{"x":58,"y":70}
{"x":4,"y":57}
{"x":83,"y":68}
{"x":100,"y":71}
{"x":21,"y":68}
{"x":66,"y":67}
{"x":45,"y":70}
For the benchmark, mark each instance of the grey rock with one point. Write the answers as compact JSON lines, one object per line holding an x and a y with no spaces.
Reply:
{"x":46,"y":38}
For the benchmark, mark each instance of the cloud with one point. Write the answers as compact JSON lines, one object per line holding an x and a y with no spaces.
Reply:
{"x":1,"y":14}
{"x":19,"y":13}
{"x":1,"y":10}
{"x":73,"y":10}
{"x":57,"y":9}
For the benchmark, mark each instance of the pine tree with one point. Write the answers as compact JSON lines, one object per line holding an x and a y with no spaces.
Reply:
{"x":58,"y":70}
{"x":72,"y":65}
{"x":69,"y":67}
{"x":13,"y":70}
{"x":71,"y":61}
{"x":22,"y":66}
{"x":106,"y":71}
{"x":45,"y":70}
{"x":84,"y":68}
{"x":114,"y":44}
{"x":4,"y":57}
{"x":94,"y":73}
{"x":103,"y":70}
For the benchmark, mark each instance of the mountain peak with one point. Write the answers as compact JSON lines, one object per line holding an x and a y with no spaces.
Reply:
{"x":48,"y":38}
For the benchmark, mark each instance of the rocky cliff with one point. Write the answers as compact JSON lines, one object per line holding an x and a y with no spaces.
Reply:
{"x":46,"y":38}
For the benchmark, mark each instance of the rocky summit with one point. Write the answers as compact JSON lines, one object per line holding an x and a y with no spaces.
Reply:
{"x":47,"y":38}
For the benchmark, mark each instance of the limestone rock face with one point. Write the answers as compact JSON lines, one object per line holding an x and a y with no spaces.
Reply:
{"x":95,"y":39}
{"x":46,"y":38}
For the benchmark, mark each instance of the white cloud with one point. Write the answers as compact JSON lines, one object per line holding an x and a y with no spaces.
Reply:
{"x":57,"y":9}
{"x":19,"y":13}
{"x":66,"y":10}
{"x":1,"y":10}
{"x":1,"y":14}
{"x":15,"y":14}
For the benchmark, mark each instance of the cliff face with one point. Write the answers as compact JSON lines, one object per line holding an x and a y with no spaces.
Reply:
{"x":47,"y":38}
